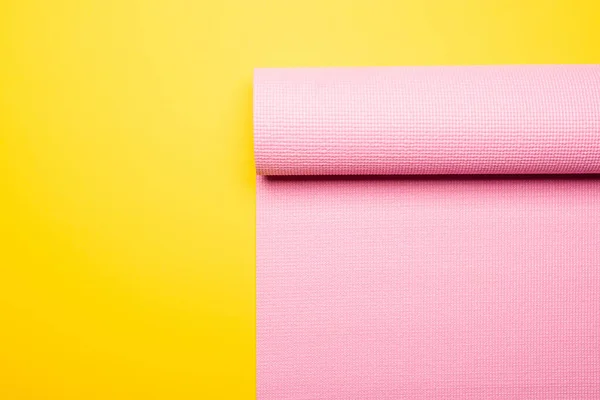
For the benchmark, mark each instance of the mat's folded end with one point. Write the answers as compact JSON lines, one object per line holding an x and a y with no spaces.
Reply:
{"x":537,"y":119}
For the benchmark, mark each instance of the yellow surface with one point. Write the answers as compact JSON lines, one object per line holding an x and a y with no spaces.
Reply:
{"x":126,"y":173}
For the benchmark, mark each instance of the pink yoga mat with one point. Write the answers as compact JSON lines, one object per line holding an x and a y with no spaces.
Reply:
{"x":428,"y":232}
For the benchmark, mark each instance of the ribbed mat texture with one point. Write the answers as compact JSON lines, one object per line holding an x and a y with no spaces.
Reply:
{"x":427,"y":120}
{"x":428,"y":233}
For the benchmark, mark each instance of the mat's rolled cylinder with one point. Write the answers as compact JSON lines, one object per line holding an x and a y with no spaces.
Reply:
{"x":537,"y":119}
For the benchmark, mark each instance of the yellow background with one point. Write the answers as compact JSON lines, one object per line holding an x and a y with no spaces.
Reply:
{"x":127,"y":180}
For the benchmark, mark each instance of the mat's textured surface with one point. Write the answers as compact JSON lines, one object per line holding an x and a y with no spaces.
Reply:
{"x":532,"y":119}
{"x":451,"y":287}
{"x":448,"y":289}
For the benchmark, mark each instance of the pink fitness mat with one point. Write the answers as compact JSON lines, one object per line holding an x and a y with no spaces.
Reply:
{"x":428,"y":232}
